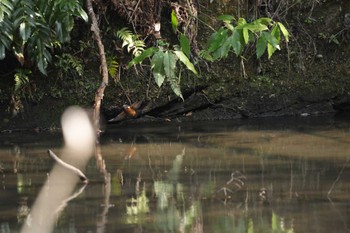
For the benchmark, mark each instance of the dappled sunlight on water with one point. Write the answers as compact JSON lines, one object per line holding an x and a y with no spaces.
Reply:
{"x":265,"y":176}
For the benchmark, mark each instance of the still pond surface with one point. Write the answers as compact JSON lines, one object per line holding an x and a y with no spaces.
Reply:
{"x":272,"y":175}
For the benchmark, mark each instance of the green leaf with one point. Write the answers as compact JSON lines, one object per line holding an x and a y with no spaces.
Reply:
{"x":261,"y":46}
{"x":270,"y":50}
{"x":226,"y":17}
{"x":271,"y":39}
{"x":245,"y":35}
{"x":241,"y":21}
{"x":169,"y":61}
{"x":145,"y":54}
{"x":284,"y":31}
{"x":82,"y":14}
{"x":265,"y":21}
{"x":236,"y":42}
{"x":158,"y":68}
{"x":24,"y":31}
{"x":182,"y":57}
{"x":1,"y":14}
{"x":223,"y":50}
{"x":217,"y":39}
{"x":174,"y":21}
{"x":256,"y":27}
{"x":185,"y":45}
{"x":276,"y":33}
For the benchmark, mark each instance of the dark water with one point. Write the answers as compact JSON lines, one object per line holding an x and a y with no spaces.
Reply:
{"x":276,"y":175}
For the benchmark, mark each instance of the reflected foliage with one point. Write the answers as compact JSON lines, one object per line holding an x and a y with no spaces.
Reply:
{"x":242,"y":180}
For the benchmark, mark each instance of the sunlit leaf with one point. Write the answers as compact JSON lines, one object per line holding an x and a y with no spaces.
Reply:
{"x":174,"y":21}
{"x":145,"y":54}
{"x":270,"y":50}
{"x":256,"y":27}
{"x":265,"y":21}
{"x":82,"y":14}
{"x":245,"y":35}
{"x":1,"y":14}
{"x":250,"y":226}
{"x":24,"y":31}
{"x":158,"y":67}
{"x":185,"y":45}
{"x":241,"y":21}
{"x":226,"y":17}
{"x":184,"y":59}
{"x":284,"y":31}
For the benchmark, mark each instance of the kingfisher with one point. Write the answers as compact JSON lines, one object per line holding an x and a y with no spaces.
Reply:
{"x":128,"y":111}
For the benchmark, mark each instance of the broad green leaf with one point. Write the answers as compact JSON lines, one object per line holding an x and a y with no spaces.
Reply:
{"x":42,"y":64}
{"x":261,"y":46}
{"x":270,"y":50}
{"x":223,"y":50}
{"x":226,"y":17}
{"x":256,"y":27}
{"x":245,"y":35}
{"x":284,"y":31}
{"x":24,"y":31}
{"x":265,"y":21}
{"x":145,"y":54}
{"x":82,"y":14}
{"x":175,"y":87}
{"x":185,"y":45}
{"x":241,"y":21}
{"x":271,"y":39}
{"x":169,"y":62}
{"x":1,"y":15}
{"x":276,"y":33}
{"x":185,"y":61}
{"x":217,"y":39}
{"x":158,"y":68}
{"x":236,"y":42}
{"x":174,"y":21}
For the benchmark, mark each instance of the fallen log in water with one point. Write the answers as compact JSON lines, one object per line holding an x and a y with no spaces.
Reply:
{"x":73,"y":169}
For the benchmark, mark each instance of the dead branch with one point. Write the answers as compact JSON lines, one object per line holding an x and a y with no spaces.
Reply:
{"x":68,"y":166}
{"x":104,"y":69}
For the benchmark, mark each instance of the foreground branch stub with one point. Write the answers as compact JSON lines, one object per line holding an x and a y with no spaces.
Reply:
{"x":73,"y":169}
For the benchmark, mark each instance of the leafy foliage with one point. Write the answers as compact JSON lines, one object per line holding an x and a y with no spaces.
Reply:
{"x":69,"y":64}
{"x":112,"y":67}
{"x":236,"y":34}
{"x":131,"y":41}
{"x":164,"y":63}
{"x":32,"y":28}
{"x":21,"y":79}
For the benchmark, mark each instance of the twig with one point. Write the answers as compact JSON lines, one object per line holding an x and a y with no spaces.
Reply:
{"x":75,"y":170}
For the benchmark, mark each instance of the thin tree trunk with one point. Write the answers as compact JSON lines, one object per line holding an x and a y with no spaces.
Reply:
{"x":100,"y":91}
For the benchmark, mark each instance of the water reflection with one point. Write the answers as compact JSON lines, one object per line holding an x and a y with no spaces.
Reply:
{"x":220,"y":177}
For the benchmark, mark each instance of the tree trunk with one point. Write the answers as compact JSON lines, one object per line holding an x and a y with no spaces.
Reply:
{"x":100,"y":91}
